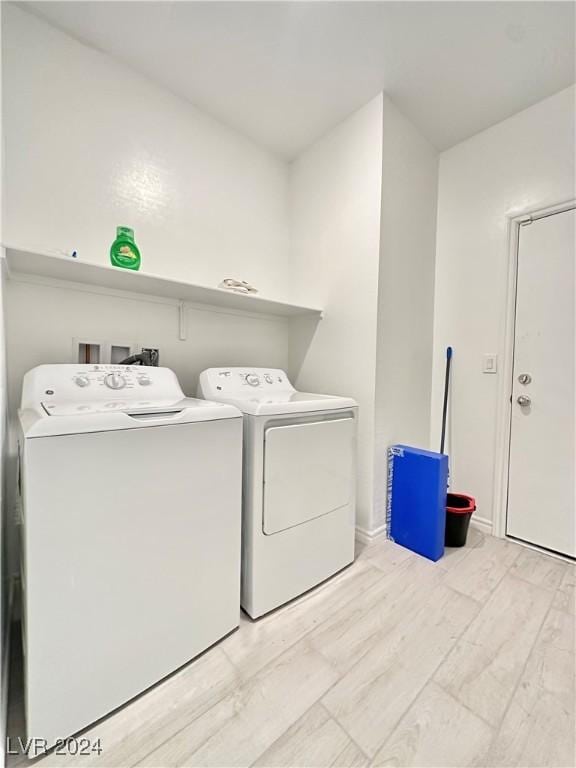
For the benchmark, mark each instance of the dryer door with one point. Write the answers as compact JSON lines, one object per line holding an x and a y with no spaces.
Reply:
{"x":308,"y":471}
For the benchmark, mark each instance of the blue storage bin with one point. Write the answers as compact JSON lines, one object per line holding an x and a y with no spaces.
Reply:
{"x":417,"y":489}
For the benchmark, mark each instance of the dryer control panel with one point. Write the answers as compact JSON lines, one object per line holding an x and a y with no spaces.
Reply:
{"x":93,"y":383}
{"x":242,"y":382}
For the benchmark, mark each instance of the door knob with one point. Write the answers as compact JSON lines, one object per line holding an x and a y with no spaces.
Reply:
{"x":523,"y":401}
{"x":524,"y":378}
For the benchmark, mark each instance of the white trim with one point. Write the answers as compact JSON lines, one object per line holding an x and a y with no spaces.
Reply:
{"x":482,"y":523}
{"x":504,"y":407}
{"x":365,"y":536}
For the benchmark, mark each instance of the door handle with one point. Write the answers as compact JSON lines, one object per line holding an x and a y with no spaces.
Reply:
{"x":523,"y":401}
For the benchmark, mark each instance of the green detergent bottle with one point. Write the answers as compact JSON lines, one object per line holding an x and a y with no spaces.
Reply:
{"x":124,"y":251}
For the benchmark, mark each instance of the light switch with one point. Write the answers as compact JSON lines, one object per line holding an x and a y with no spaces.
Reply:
{"x":490,"y":363}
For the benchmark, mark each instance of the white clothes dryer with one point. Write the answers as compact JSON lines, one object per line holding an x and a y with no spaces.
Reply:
{"x":299,"y":481}
{"x":131,"y":536}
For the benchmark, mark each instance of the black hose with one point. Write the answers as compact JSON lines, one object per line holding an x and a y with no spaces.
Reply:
{"x":142,"y":358}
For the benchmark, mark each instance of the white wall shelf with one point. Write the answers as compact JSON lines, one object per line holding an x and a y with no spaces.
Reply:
{"x":113,"y":278}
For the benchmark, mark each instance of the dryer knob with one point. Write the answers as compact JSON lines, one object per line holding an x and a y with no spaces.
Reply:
{"x":253,"y":380}
{"x":82,"y":381}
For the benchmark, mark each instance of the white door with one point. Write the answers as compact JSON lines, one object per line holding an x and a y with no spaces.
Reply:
{"x":541,"y":490}
{"x":308,"y":472}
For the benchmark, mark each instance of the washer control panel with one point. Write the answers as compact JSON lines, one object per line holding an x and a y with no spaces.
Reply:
{"x":244,"y":382}
{"x":112,"y":376}
{"x":97,"y":382}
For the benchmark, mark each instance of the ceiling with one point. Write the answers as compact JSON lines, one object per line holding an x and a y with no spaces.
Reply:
{"x":284,"y":73}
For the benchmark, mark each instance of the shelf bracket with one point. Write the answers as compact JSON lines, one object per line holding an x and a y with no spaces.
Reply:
{"x":181,"y":321}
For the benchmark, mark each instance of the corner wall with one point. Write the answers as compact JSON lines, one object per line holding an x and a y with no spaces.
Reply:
{"x":335,"y":215}
{"x":520,"y":165}
{"x":405,"y":294}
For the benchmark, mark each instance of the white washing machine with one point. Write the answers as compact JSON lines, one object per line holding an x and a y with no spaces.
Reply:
{"x":299,"y":483}
{"x":131,"y":519}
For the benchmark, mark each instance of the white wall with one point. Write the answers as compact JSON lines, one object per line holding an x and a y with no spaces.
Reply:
{"x":92,"y":145}
{"x":335,"y":204}
{"x":405,"y":293}
{"x":523,"y":164}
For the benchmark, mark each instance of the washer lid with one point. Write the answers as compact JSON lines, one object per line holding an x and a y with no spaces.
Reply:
{"x":262,"y":404}
{"x":67,"y":418}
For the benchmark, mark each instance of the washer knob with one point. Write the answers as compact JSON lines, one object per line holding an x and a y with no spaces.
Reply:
{"x":268,"y":379}
{"x":114,"y":381}
{"x":144,"y":381}
{"x":252,"y":379}
{"x":82,"y":381}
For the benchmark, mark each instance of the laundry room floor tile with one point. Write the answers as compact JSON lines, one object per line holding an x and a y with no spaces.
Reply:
{"x":485,"y":665}
{"x":237,"y":730}
{"x":259,"y":642}
{"x":395,"y":661}
{"x":377,"y":613}
{"x":484,"y":567}
{"x":415,"y":742}
{"x":546,"y":572}
{"x":316,"y":739}
{"x":372,"y":696}
{"x":539,"y":726}
{"x":384,"y":554}
{"x":565,"y":597}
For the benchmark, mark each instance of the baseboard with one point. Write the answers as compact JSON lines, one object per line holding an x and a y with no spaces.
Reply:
{"x":482,"y":523}
{"x":366,"y":537}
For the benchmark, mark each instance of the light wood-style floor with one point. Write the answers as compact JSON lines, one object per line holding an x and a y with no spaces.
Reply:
{"x":395,"y":662}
